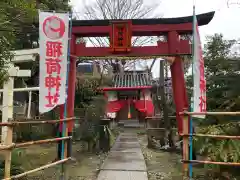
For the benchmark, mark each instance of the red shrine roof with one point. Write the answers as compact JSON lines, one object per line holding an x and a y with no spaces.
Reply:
{"x":131,"y":80}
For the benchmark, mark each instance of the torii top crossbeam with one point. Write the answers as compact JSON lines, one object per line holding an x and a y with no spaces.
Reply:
{"x":171,"y":28}
{"x":141,"y":27}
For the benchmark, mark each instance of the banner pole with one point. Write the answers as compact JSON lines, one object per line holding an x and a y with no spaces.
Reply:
{"x":64,"y":126}
{"x":192,"y":99}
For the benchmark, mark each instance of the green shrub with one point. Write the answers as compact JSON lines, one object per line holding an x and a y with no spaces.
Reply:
{"x":30,"y":132}
{"x":226,"y":150}
{"x":16,"y":167}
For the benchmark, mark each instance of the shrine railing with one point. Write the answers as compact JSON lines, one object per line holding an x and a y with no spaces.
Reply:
{"x":8,"y":145}
{"x":186,"y":150}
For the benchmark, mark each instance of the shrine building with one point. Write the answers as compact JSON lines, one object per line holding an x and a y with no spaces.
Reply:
{"x":130,"y":96}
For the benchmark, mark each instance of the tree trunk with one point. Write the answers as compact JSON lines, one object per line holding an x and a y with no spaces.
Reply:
{"x":90,"y":144}
{"x":167,"y":124}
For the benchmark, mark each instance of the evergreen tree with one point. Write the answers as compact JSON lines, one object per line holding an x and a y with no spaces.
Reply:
{"x":17,"y":29}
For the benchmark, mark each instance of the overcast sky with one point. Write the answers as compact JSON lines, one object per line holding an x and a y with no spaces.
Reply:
{"x":225,"y":21}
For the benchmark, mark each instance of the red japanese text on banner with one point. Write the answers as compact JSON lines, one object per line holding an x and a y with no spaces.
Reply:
{"x":53,"y":42}
{"x":199,"y":94}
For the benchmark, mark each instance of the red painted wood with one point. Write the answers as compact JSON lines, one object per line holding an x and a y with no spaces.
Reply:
{"x":137,"y":30}
{"x":71,"y":85}
{"x":91,"y":31}
{"x":179,"y":90}
{"x":174,"y":42}
{"x":161,"y":49}
{"x":71,"y":89}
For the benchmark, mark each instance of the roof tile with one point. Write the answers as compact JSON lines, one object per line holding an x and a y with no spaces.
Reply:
{"x":132,"y":79}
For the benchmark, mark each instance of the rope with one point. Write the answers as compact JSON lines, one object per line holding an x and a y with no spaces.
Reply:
{"x":121,"y":57}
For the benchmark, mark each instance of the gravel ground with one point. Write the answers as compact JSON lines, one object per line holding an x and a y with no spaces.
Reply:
{"x":164,"y":165}
{"x":160,"y":165}
{"x":84,"y":167}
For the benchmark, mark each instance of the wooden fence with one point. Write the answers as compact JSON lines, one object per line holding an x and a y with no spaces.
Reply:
{"x":186,"y":136}
{"x":8,"y":146}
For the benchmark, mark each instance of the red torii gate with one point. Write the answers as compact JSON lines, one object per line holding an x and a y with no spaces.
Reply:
{"x":121,"y":32}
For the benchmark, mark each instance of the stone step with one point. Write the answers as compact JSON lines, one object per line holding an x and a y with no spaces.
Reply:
{"x":131,"y":123}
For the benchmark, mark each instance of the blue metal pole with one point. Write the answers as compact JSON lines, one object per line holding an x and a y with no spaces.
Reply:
{"x":191,"y":108}
{"x":191,"y":143}
{"x":68,"y":63}
{"x":65,"y":105}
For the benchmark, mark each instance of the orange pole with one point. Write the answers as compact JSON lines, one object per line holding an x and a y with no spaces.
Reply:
{"x":16,"y":123}
{"x":212,"y":136}
{"x":213,"y":162}
{"x":45,"y":141}
{"x":38,"y":169}
{"x":211,"y":113}
{"x":185,"y":145}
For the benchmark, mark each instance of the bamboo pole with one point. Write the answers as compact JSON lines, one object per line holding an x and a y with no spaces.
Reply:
{"x":212,"y":136}
{"x":211,"y":113}
{"x":8,"y":153}
{"x":212,"y":162}
{"x":157,"y":118}
{"x":65,"y":171}
{"x":38,"y":169}
{"x":160,"y":129}
{"x":15,"y":123}
{"x":20,"y":145}
{"x":185,"y":145}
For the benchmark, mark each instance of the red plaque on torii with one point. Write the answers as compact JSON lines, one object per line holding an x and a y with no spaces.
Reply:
{"x":120,"y":36}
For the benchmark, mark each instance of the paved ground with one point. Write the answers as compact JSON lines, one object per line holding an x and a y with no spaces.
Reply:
{"x":125,"y":161}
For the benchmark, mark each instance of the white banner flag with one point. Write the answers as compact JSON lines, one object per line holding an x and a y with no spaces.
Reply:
{"x":199,"y":95}
{"x":53,"y":34}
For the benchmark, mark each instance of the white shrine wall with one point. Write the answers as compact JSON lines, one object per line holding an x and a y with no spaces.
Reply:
{"x":112,"y":96}
{"x":145,"y":95}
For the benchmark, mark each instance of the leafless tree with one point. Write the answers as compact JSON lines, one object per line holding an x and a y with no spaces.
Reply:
{"x":120,"y":9}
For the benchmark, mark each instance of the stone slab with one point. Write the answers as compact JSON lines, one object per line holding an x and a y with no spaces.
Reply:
{"x":125,"y":160}
{"x":126,"y":146}
{"x":122,"y":175}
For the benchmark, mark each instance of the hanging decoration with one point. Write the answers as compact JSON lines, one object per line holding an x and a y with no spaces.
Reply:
{"x":170,"y":59}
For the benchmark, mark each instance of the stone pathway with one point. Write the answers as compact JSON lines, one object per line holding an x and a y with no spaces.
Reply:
{"x":125,"y":161}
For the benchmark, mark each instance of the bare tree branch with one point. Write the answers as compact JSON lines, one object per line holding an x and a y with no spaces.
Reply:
{"x":119,"y":9}
{"x":153,"y":64}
